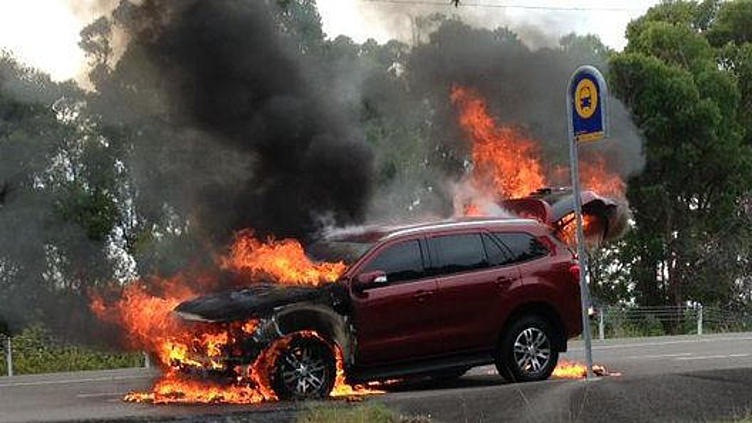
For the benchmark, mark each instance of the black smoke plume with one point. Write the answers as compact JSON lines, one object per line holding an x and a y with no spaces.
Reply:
{"x":231,"y":125}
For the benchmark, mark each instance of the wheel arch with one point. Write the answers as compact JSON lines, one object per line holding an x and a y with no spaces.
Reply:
{"x":545,"y":310}
{"x":330,"y":325}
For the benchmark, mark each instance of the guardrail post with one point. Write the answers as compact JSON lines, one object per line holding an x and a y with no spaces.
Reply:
{"x":699,"y":320}
{"x":9,"y":356}
{"x":601,"y":324}
{"x":147,"y":360}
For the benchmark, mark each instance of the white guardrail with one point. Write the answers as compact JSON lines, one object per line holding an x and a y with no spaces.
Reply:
{"x":8,"y":348}
{"x":668,"y":320}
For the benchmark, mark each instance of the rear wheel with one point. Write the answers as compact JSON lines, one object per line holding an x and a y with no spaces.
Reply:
{"x":304,"y":369}
{"x":526,"y":351}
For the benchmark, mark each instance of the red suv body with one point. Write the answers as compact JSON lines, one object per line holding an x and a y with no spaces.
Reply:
{"x":466,"y":281}
{"x":433,"y":299}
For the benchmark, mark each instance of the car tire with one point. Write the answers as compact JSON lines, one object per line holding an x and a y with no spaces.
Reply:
{"x":526,"y":352}
{"x":304,"y":369}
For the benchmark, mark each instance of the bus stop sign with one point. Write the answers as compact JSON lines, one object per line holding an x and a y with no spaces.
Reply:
{"x":587,"y":117}
{"x":587,"y":103}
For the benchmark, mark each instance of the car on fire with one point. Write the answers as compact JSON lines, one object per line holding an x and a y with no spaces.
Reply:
{"x":431,"y":300}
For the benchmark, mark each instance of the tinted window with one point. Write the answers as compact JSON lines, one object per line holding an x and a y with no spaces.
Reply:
{"x":523,"y":246}
{"x":497,"y":256}
{"x":459,"y":253}
{"x":400,"y":262}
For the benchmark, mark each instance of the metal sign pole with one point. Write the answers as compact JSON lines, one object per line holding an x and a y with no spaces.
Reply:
{"x":587,"y":121}
{"x":582,"y":256}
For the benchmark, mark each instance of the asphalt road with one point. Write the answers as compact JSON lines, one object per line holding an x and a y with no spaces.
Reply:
{"x":663,"y":379}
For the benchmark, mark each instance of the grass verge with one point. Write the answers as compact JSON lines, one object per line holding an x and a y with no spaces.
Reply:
{"x":362,"y":413}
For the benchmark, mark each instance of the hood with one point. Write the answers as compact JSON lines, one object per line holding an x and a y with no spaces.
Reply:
{"x":255,"y":301}
{"x":555,"y":207}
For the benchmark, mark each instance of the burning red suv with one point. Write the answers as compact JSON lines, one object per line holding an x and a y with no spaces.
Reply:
{"x":426,"y":300}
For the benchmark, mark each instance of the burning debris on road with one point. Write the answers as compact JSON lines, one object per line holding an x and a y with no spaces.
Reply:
{"x":572,"y":370}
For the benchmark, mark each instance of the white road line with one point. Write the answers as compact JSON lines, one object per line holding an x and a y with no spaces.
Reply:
{"x":110,"y":394}
{"x":639,"y":357}
{"x":711,"y":357}
{"x":653,"y":344}
{"x":63,"y":382}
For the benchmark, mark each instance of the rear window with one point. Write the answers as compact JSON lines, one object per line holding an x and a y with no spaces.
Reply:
{"x":522,"y":246}
{"x":459,"y":253}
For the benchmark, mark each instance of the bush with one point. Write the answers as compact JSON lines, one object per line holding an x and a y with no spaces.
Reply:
{"x":36,"y":351}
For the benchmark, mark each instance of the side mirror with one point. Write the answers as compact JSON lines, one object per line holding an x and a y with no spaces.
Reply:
{"x":369,"y":280}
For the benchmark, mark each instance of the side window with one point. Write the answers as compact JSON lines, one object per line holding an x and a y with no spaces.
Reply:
{"x":523,"y":246}
{"x":400,"y":262}
{"x":459,"y":253}
{"x":497,"y":255}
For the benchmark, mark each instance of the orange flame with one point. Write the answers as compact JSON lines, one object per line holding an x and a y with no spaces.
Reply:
{"x":282,"y":260}
{"x":504,"y":159}
{"x":571,"y":370}
{"x":341,"y":388}
{"x":590,"y":226}
{"x":508,"y":164}
{"x":595,"y":176}
{"x":146,"y":318}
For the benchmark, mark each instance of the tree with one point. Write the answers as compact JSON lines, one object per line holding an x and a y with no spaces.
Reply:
{"x":690,"y":232}
{"x":58,"y":210}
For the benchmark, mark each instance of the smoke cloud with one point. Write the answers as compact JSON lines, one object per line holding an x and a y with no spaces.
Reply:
{"x":524,"y":87}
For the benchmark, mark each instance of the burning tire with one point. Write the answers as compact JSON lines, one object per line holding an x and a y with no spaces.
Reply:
{"x":526,"y":350}
{"x":304,"y":369}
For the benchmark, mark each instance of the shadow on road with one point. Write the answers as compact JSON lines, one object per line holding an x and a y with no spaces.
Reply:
{"x":428,"y":384}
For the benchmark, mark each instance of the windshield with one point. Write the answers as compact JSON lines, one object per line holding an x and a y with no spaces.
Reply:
{"x":346,"y":251}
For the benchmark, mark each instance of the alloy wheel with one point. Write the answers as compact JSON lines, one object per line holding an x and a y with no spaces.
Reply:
{"x":532,"y":350}
{"x":303,"y":370}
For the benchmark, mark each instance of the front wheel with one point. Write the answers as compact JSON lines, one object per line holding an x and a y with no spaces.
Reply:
{"x":526,"y":351}
{"x":304,"y":369}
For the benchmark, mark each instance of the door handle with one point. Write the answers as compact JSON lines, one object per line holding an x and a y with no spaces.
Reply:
{"x":422,"y":296}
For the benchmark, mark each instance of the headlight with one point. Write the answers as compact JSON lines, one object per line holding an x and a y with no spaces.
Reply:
{"x":191,"y":317}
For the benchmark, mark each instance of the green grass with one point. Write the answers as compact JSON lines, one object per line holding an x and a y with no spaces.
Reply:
{"x":363,"y":413}
{"x":35,"y":351}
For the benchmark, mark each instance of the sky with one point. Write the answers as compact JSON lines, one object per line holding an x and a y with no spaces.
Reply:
{"x":44,"y":33}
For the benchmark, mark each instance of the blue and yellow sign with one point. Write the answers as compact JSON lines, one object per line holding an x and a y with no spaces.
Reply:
{"x":586,"y":105}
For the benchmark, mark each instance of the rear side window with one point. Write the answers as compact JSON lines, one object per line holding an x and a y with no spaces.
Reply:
{"x":400,"y":262}
{"x":523,"y":246}
{"x":497,"y":255}
{"x":459,"y":253}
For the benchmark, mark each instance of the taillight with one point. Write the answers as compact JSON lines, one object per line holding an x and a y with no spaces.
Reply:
{"x":574,"y":270}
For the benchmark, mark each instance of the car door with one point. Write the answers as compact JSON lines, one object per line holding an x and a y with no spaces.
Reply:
{"x":526,"y":251}
{"x":474,"y":276}
{"x":397,"y":321}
